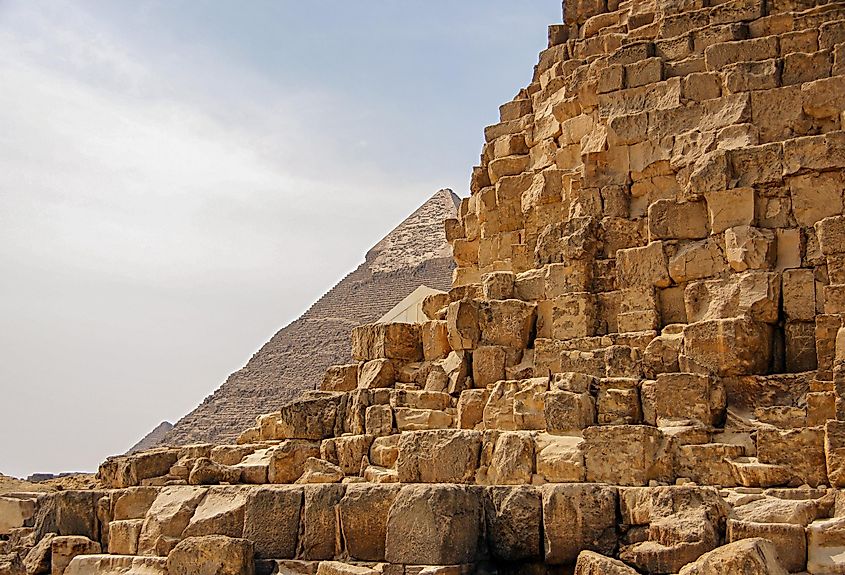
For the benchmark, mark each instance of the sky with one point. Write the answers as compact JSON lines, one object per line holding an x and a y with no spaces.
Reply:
{"x":179,"y":180}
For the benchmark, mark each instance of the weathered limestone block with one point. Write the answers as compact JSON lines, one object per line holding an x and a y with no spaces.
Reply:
{"x":707,"y":463}
{"x":64,"y":548}
{"x":834,"y":449}
{"x":662,"y":353}
{"x":566,"y":411}
{"x":682,"y":524}
{"x":508,"y":323}
{"x":413,"y":419}
{"x":123,"y":536}
{"x":434,"y":305}
{"x":488,"y":364}
{"x":387,"y":341}
{"x":287,"y":460}
{"x":689,"y":397}
{"x":340,"y":378}
{"x":625,"y":455}
{"x":167,"y":518}
{"x":255,"y":467}
{"x":517,"y":404}
{"x":831,"y":234}
{"x":668,"y":219}
{"x":363,"y":516}
{"x":643,"y":266}
{"x":37,"y":560}
{"x":114,"y":564}
{"x":309,"y":418}
{"x":350,"y":450}
{"x":130,"y":470}
{"x":591,"y":563}
{"x":221,"y":512}
{"x":751,"y":556}
{"x":208,"y":472}
{"x":435,"y":340}
{"x":507,"y":459}
{"x":377,"y":374}
{"x":438,"y":456}
{"x":790,"y":541}
{"x":385,"y":450}
{"x":471,"y":408}
{"x":567,"y":316}
{"x":785,"y":511}
{"x":462,"y":324}
{"x":697,"y":260}
{"x":799,"y":450}
{"x":799,"y":294}
{"x":212,"y":555}
{"x":730,"y":208}
{"x":513,"y":519}
{"x":335,"y":568}
{"x":749,"y":472}
{"x":319,"y":536}
{"x":15,"y":512}
{"x":435,"y":525}
{"x":559,"y":458}
{"x":498,"y":285}
{"x":564,"y":278}
{"x":728,"y":346}
{"x":578,"y":517}
{"x":619,"y":402}
{"x":379,"y":420}
{"x":825,"y":542}
{"x":747,"y":247}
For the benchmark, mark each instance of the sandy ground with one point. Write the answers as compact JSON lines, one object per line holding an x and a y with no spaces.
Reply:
{"x":81,"y":481}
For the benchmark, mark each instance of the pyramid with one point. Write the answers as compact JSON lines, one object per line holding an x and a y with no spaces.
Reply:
{"x":294,"y":360}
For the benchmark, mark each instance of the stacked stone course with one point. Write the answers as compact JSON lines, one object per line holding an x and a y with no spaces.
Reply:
{"x":639,"y":367}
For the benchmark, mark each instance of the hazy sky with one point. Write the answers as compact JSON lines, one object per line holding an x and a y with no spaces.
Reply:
{"x":178,"y":180}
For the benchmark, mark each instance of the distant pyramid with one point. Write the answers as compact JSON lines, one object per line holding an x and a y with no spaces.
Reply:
{"x":153,"y":438}
{"x":415,"y":253}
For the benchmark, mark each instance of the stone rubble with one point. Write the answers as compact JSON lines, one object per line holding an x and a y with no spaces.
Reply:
{"x":640,"y":367}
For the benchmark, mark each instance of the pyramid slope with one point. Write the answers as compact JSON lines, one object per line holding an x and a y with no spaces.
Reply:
{"x":294,"y":360}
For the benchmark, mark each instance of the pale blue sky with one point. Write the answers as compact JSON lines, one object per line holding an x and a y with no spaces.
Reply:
{"x":178,"y":180}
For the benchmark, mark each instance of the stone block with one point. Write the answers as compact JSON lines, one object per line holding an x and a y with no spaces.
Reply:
{"x":566,"y":411}
{"x":625,"y":455}
{"x":435,"y":525}
{"x":363,"y":516}
{"x":668,"y":219}
{"x":689,"y":397}
{"x":387,"y":341}
{"x":438,"y":456}
{"x":287,"y":460}
{"x":578,"y":517}
{"x":747,"y":556}
{"x":516,"y":404}
{"x":799,"y":450}
{"x":507,"y":459}
{"x":834,"y":449}
{"x":697,"y":260}
{"x":413,"y":419}
{"x":825,"y":541}
{"x":789,"y":540}
{"x":109,"y":564}
{"x":319,"y":535}
{"x":513,"y":517}
{"x":800,"y":346}
{"x":123,"y":536}
{"x":799,"y":294}
{"x":435,"y":340}
{"x":559,"y":459}
{"x":310,"y":418}
{"x":750,"y":248}
{"x":215,"y":554}
{"x":379,"y":420}
{"x":221,"y":512}
{"x":753,"y":294}
{"x":508,"y":323}
{"x":568,"y":316}
{"x":643,"y":266}
{"x":488,"y":365}
{"x":272,"y":519}
{"x":64,"y":548}
{"x":340,"y":378}
{"x":707,"y":463}
{"x":730,"y":208}
{"x":167,"y":518}
{"x":729,"y":346}
{"x":592,"y":563}
{"x":471,"y":408}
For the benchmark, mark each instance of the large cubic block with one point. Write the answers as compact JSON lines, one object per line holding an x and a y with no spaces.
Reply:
{"x":729,"y":346}
{"x":435,"y":525}
{"x":799,"y":450}
{"x":643,"y":266}
{"x":625,"y":455}
{"x":438,"y":456}
{"x":363,"y":515}
{"x":387,"y":340}
{"x":568,"y":316}
{"x":689,"y":397}
{"x":578,"y":517}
